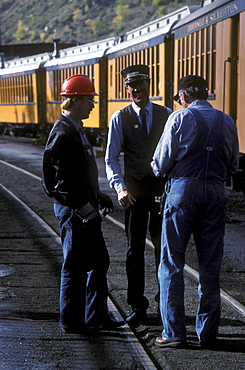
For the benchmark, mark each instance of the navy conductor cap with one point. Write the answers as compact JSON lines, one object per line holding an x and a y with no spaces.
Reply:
{"x":135,"y":73}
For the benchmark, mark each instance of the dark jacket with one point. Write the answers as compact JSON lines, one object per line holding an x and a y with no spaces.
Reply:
{"x":70,"y":173}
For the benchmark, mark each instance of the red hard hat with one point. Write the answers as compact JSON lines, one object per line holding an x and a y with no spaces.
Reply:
{"x":78,"y":85}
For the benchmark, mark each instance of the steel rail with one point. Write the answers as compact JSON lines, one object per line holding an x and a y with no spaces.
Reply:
{"x":137,"y":347}
{"x":226,"y":297}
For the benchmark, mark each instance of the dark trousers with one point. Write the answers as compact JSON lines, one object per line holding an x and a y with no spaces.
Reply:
{"x":83,"y":288}
{"x":136,"y":221}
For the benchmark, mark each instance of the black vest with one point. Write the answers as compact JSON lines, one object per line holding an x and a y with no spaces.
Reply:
{"x":138,"y":148}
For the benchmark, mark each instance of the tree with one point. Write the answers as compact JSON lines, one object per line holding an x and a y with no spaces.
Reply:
{"x":21,"y":32}
{"x":76,"y":14}
{"x":122,"y":12}
{"x":97,"y":28}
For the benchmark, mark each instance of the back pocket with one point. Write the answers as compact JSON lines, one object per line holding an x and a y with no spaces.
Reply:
{"x":180,"y":192}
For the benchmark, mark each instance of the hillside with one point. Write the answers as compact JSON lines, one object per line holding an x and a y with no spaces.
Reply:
{"x":79,"y":21}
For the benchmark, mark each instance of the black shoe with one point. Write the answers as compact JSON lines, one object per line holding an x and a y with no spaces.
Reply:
{"x":74,"y":330}
{"x":108,"y":323}
{"x":209,"y":344}
{"x":136,"y":317}
{"x":81,"y":329}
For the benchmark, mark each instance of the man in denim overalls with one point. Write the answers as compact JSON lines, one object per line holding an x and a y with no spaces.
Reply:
{"x":197,"y":150}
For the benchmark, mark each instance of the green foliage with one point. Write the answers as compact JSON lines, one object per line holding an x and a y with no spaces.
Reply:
{"x":97,"y":28}
{"x":121,"y":3}
{"x":162,"y":11}
{"x":76,"y":14}
{"x":21,"y":32}
{"x":122,"y":13}
{"x":78,"y":21}
{"x":158,"y":2}
{"x":146,"y":2}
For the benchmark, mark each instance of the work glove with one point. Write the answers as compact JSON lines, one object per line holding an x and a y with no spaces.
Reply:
{"x":105,"y":204}
{"x":88,"y":215}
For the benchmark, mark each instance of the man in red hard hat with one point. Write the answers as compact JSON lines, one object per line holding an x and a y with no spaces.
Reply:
{"x":70,"y":176}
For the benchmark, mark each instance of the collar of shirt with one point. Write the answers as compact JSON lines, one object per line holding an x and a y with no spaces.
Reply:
{"x":80,"y":129}
{"x":75,"y":123}
{"x":137,"y":109}
{"x":148,"y":109}
{"x":201,"y":103}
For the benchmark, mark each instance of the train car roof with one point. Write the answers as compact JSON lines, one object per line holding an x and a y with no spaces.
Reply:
{"x":149,"y":34}
{"x":81,"y":54}
{"x":24,"y":65}
{"x":163,"y":21}
{"x":207,"y":15}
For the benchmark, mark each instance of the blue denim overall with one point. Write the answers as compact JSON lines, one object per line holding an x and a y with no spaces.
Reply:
{"x":195,"y":204}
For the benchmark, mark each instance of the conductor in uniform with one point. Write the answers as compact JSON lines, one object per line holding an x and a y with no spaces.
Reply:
{"x":135,"y":130}
{"x":70,"y":176}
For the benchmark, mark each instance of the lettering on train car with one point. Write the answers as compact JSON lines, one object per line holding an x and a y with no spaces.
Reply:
{"x":216,"y":16}
{"x":132,"y":49}
{"x":210,"y":18}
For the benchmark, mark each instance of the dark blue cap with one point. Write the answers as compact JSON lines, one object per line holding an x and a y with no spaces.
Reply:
{"x":135,"y":73}
{"x":191,"y":81}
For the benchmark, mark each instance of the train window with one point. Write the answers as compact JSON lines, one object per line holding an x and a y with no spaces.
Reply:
{"x":192,"y":45}
{"x":16,"y":90}
{"x":152,"y":56}
{"x":148,"y":57}
{"x":214,"y":37}
{"x":203,"y":40}
{"x":135,"y":58}
{"x":183,"y":48}
{"x":157,"y":54}
{"x":158,"y":80}
{"x":197,"y":43}
{"x":58,"y":78}
{"x":187,"y":47}
{"x":152,"y":85}
{"x":111,"y":74}
{"x":197,"y":55}
{"x":208,"y":40}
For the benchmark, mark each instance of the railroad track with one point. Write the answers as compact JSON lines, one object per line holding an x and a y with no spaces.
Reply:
{"x":191,"y":271}
{"x":143,"y":335}
{"x":143,"y":357}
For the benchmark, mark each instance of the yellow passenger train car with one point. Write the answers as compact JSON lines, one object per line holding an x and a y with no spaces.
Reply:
{"x":22,"y":94}
{"x":150,"y":44}
{"x":204,"y":39}
{"x":210,"y":43}
{"x":84,"y":59}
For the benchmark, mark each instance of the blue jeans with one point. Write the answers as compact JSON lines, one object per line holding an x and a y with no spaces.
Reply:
{"x":195,"y":207}
{"x":83,"y":288}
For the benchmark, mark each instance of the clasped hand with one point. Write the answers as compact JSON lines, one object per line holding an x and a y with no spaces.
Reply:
{"x":105,"y":204}
{"x":125,"y":198}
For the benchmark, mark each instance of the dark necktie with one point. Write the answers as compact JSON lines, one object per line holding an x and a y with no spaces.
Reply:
{"x":143,"y":119}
